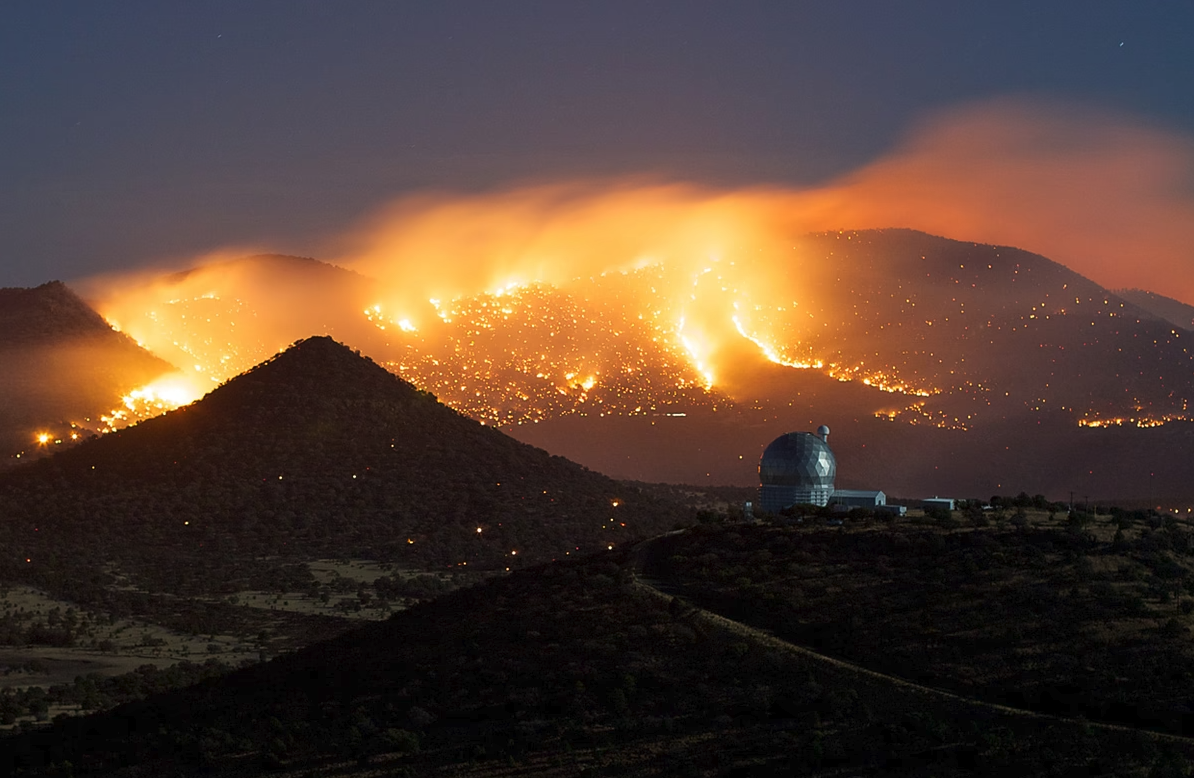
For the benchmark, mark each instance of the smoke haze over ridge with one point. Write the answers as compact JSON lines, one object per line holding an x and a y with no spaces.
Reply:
{"x":1106,"y":196}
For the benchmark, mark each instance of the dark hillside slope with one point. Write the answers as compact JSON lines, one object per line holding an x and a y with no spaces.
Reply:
{"x":570,"y":669}
{"x":62,"y":363}
{"x":317,"y":452}
{"x":1078,"y":615}
{"x":48,"y":313}
{"x":1173,"y":311}
{"x":1006,"y":370}
{"x":992,"y":332}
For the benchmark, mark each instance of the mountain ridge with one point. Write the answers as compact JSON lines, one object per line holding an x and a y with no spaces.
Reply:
{"x":1173,"y":311}
{"x":48,"y":311}
{"x":316,"y":453}
{"x":64,"y":366}
{"x":906,"y":338}
{"x":556,"y":669}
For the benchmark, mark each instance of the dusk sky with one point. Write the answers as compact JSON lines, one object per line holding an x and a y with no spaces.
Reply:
{"x":146,"y":132}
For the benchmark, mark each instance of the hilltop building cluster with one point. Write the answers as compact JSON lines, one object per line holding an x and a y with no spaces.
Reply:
{"x":799,"y":468}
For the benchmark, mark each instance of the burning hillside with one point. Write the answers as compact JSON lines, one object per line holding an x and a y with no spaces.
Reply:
{"x":536,"y":352}
{"x":63,"y":367}
{"x":945,"y":333}
{"x":894,"y":337}
{"x":628,"y":298}
{"x":624,"y":300}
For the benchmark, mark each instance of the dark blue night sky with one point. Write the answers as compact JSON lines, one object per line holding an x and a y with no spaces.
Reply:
{"x":134,"y":132}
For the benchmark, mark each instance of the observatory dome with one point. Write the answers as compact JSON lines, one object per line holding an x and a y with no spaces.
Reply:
{"x":798,"y":467}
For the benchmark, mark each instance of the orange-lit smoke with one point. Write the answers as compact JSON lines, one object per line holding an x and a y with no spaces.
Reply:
{"x":447,"y":246}
{"x":1108,"y":197}
{"x":225,"y":315}
{"x":714,"y":247}
{"x":163,"y":394}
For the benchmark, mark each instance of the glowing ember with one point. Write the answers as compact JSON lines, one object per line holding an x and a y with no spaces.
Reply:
{"x":1143,"y":422}
{"x":375,"y":315}
{"x":164,"y":394}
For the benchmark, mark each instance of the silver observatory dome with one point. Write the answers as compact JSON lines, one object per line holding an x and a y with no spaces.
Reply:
{"x":797,"y":468}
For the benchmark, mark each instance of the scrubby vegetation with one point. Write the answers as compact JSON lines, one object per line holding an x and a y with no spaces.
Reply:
{"x":1082,"y":615}
{"x":1075,"y":620}
{"x":572,"y":667}
{"x":94,"y":692}
{"x":318,"y":453}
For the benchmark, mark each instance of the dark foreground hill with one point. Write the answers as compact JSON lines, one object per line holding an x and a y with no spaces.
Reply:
{"x":62,"y":363}
{"x":1086,"y":615}
{"x":316,"y":453}
{"x":572,"y":668}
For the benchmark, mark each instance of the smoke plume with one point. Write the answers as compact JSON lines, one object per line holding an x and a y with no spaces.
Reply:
{"x":1104,"y":195}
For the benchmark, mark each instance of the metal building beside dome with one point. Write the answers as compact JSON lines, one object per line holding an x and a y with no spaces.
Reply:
{"x":797,"y":468}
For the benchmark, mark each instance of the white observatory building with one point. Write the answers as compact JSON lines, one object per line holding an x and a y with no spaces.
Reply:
{"x":797,"y":468}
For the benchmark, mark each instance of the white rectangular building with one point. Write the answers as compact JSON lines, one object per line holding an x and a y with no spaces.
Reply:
{"x":858,"y":498}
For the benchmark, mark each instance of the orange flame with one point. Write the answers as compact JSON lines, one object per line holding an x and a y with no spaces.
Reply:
{"x":678,"y":277}
{"x":164,"y":394}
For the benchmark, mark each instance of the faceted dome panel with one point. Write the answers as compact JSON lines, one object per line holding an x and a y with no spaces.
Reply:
{"x":798,"y":459}
{"x":796,"y":468}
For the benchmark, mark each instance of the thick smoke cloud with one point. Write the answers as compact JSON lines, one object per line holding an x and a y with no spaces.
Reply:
{"x":1107,"y":197}
{"x":447,"y":246}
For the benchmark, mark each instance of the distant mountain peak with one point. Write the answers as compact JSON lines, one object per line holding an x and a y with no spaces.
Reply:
{"x":321,"y":449}
{"x":63,"y":367}
{"x":315,"y":366}
{"x":269,"y":265}
{"x":1166,"y":308}
{"x":47,"y":312}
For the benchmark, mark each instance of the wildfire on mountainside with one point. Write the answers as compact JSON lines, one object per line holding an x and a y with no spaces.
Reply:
{"x":1143,"y":422}
{"x":621,"y":343}
{"x":565,"y":301}
{"x":153,"y":399}
{"x":978,"y":339}
{"x":535,"y":351}
{"x":628,"y":296}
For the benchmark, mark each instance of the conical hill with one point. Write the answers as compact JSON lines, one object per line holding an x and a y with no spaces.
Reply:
{"x":317,"y":452}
